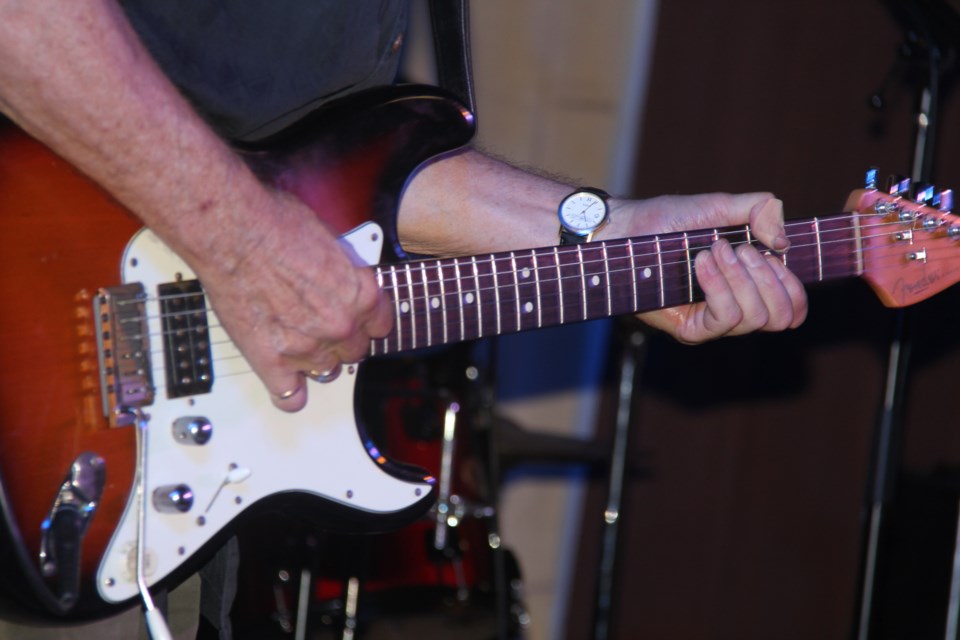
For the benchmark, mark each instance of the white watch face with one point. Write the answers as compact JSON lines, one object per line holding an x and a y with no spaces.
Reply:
{"x":583,"y":212}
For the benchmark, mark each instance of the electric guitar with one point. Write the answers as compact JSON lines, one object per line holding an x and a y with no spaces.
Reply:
{"x":133,"y":434}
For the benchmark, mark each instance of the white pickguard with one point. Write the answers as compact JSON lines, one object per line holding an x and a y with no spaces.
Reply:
{"x":316,"y":451}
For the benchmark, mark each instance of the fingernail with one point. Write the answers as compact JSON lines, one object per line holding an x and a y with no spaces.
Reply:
{"x":781,"y":242}
{"x":778,"y":268}
{"x":706,"y":264}
{"x":725,"y":251}
{"x":750,"y":255}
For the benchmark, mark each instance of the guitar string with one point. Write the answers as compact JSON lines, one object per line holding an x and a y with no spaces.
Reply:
{"x":551,"y":268}
{"x":615,"y":243}
{"x":375,"y":344}
{"x":431,"y":265}
{"x":713,"y":234}
{"x":566,"y":251}
{"x":553,"y":297}
{"x":549,"y":304}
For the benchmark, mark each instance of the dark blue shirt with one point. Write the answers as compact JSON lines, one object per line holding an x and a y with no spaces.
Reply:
{"x":252,"y":66}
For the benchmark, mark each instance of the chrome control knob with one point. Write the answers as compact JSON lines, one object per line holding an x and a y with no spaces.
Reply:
{"x":192,"y":430}
{"x":173,"y":498}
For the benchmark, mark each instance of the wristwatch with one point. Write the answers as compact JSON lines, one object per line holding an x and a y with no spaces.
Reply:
{"x":582,"y":214}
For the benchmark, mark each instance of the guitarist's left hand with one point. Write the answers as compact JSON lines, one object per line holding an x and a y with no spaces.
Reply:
{"x":469,"y":203}
{"x":745,"y":290}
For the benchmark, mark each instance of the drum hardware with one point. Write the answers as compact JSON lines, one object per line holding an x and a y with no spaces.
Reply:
{"x":631,"y":360}
{"x":521,"y":445}
{"x":930,"y":42}
{"x":282,"y":615}
{"x":429,"y":411}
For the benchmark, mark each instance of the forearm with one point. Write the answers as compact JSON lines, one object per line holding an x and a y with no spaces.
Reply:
{"x":74,"y":75}
{"x":470,"y":203}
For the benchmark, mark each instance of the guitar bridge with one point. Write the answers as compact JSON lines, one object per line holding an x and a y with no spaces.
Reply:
{"x":123,"y":348}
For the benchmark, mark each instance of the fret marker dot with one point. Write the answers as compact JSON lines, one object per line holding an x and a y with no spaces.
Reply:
{"x":404,"y":307}
{"x":435,"y":303}
{"x":647,"y":273}
{"x":525,"y":273}
{"x":468,"y":298}
{"x":528,"y":307}
{"x":594,"y":281}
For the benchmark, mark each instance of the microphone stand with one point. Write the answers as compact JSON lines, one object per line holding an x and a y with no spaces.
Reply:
{"x":930,"y":28}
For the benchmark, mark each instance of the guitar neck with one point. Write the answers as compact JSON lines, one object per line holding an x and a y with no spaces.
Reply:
{"x":451,"y":300}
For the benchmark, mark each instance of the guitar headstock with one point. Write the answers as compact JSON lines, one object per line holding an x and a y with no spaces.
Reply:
{"x":910,"y":240}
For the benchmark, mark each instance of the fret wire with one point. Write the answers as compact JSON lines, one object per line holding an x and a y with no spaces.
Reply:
{"x":396,"y":304}
{"x":656,"y":240}
{"x":583,"y":280}
{"x":556,"y":258}
{"x":443,"y":300}
{"x":816,"y":229}
{"x":536,"y":275}
{"x":476,"y":281}
{"x":496,"y":292}
{"x":633,"y":275}
{"x":516,"y":285}
{"x":373,"y":342}
{"x":858,"y":241}
{"x":413,"y":325}
{"x":606,"y":269}
{"x":686,"y":250}
{"x":427,"y":306}
{"x":456,"y":271}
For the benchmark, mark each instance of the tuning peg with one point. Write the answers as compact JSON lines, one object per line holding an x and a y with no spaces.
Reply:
{"x":923,"y":193}
{"x":898,"y":186}
{"x":943,"y":200}
{"x":872,"y":181}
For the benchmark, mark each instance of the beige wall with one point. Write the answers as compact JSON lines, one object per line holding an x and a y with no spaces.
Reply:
{"x":559,"y":86}
{"x":559,"y":81}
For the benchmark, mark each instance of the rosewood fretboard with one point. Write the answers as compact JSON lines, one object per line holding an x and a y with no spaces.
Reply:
{"x":451,"y":300}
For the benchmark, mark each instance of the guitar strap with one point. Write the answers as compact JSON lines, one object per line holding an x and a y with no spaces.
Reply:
{"x":451,"y":42}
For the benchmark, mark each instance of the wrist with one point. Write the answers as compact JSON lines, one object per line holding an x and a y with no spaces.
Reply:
{"x":620,"y":213}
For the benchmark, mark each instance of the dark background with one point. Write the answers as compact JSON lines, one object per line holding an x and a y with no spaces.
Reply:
{"x":748,"y":523}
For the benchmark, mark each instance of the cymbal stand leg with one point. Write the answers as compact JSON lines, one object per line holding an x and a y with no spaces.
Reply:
{"x":303,"y":604}
{"x":444,"y":502}
{"x":630,"y":366}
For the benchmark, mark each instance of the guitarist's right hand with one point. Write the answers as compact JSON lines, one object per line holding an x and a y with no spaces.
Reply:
{"x":77,"y":77}
{"x":294,"y":301}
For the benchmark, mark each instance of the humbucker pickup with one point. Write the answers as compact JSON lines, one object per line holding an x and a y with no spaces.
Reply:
{"x":186,"y":338}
